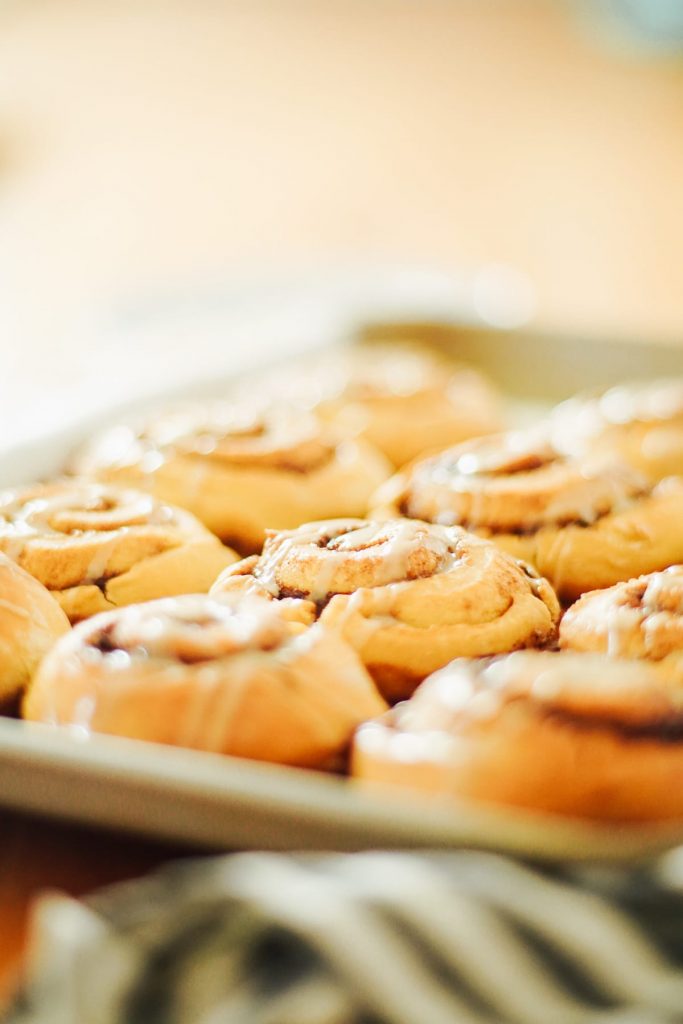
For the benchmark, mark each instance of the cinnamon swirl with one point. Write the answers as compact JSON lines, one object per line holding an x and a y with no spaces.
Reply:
{"x":97,"y":547}
{"x":225,"y":675}
{"x":572,"y":734}
{"x":239,"y":470}
{"x":405,"y":398}
{"x":409,"y":596}
{"x":641,"y":424}
{"x":642,"y":618}
{"x":583,"y":524}
{"x":30,"y":623}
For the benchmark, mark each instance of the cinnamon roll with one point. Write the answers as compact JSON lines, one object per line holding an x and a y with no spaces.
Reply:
{"x":30,"y":623}
{"x":571,"y":734}
{"x":409,"y":596}
{"x":642,"y":618}
{"x":225,"y":675}
{"x":583,"y":523}
{"x":97,"y":547}
{"x":404,"y":398}
{"x":239,"y":470}
{"x":641,"y":424}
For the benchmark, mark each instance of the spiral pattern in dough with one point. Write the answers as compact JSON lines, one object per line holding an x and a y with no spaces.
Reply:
{"x":641,"y":618}
{"x":239,"y":469}
{"x":96,"y":547}
{"x":226,"y":675}
{"x":408,"y":595}
{"x":510,"y":483}
{"x":583,"y":523}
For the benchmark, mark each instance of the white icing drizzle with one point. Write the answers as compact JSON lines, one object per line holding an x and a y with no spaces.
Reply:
{"x":269,"y":562}
{"x":386,"y":546}
{"x":618,"y":612}
{"x":88,"y":517}
{"x":97,"y":566}
{"x":216,"y":703}
{"x":665,"y":590}
{"x":15,"y":609}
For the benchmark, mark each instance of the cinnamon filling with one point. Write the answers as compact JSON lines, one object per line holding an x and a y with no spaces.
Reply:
{"x":104,"y":641}
{"x":497,"y":464}
{"x":663,"y":730}
{"x":284,"y":461}
{"x":107,"y":644}
{"x":448,"y":518}
{"x":633,"y":598}
{"x":101,"y":584}
{"x":409,"y":507}
{"x":301,"y":595}
{"x":537,"y":583}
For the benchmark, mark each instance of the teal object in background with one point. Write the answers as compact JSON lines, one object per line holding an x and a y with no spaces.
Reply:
{"x":646,"y":26}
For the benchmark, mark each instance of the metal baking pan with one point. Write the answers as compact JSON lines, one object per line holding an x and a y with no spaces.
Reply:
{"x":224,"y":802}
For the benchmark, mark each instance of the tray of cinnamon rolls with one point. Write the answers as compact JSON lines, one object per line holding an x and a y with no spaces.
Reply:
{"x":365,"y":609}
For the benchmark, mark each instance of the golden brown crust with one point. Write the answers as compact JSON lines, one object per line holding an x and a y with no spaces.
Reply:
{"x":243,"y":578}
{"x":509,"y":483}
{"x":641,"y":618}
{"x":571,"y":734}
{"x":97,"y":547}
{"x":408,"y":595}
{"x":583,"y":523}
{"x":30,"y":623}
{"x":404,"y":398}
{"x":239,"y":469}
{"x":226,"y":675}
{"x":640,"y":424}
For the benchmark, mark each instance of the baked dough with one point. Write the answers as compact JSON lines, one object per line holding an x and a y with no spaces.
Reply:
{"x":583,"y":523}
{"x":409,"y":596}
{"x":227,"y":675}
{"x":30,"y":623}
{"x":239,"y":469}
{"x":97,"y":547}
{"x":640,"y":424}
{"x":641,"y":618}
{"x":572,"y":734}
{"x":404,"y":398}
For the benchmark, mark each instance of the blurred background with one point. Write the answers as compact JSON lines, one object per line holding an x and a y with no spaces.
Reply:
{"x":156,"y":150}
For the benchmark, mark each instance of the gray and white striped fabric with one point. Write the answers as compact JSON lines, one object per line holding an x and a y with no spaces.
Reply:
{"x":372,"y":938}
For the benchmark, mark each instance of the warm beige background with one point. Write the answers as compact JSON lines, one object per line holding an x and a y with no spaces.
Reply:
{"x":148,"y":143}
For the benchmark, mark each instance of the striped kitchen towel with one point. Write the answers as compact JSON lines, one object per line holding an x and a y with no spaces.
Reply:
{"x":368,"y":938}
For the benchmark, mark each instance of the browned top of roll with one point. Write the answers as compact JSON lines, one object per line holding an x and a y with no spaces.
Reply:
{"x":339,"y":556}
{"x":226,"y":433}
{"x":190,"y":629}
{"x":580,"y":691}
{"x":377,"y":372}
{"x":397,"y":570}
{"x":515,"y":482}
{"x":73,"y":532}
{"x":642,"y":618}
{"x":583,"y":417}
{"x":228,"y":675}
